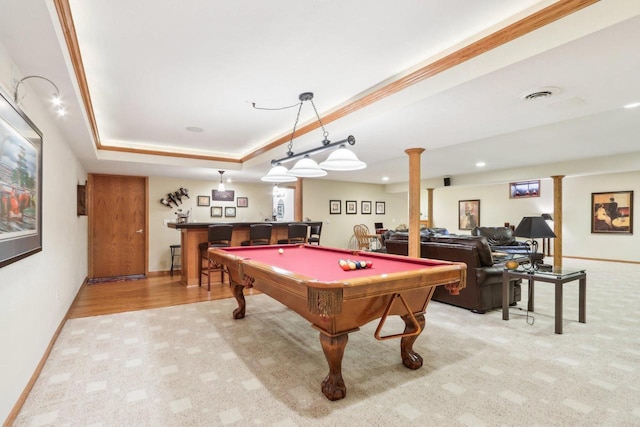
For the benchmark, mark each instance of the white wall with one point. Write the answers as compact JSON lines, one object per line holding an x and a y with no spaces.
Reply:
{"x":496,"y":208}
{"x":160,"y":236}
{"x":578,"y":239}
{"x":337,"y":230}
{"x":36,"y":292}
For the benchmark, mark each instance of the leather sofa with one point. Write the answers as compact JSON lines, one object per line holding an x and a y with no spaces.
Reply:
{"x":484,"y":277}
{"x":425,"y":234}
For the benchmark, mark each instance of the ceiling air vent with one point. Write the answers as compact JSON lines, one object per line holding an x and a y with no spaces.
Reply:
{"x":540,"y":93}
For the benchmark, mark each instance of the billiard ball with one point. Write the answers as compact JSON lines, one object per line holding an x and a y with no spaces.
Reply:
{"x":511,"y":264}
{"x":363,"y":264}
{"x":280,"y":251}
{"x":352,"y":265}
{"x":369,"y":264}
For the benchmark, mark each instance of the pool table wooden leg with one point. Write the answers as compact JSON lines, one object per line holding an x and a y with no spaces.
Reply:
{"x":410,"y":358}
{"x":333,"y":346}
{"x":237,"y":291}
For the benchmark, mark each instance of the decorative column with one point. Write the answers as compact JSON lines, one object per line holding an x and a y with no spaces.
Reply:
{"x":557,"y":220}
{"x":414,"y":201}
{"x":297,"y":203}
{"x":430,"y":207}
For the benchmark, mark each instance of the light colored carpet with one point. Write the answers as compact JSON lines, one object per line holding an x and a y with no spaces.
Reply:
{"x":193,"y":365}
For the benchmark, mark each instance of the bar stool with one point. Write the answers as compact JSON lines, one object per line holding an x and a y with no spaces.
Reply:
{"x":314,"y":234}
{"x":219,"y":237}
{"x":175,"y":254}
{"x":259,"y":234}
{"x":296,"y":233}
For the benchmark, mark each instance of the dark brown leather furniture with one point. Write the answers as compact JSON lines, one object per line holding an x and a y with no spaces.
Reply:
{"x":502,"y":239}
{"x":484,"y":277}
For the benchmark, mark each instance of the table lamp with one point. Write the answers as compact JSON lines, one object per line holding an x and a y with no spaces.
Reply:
{"x":533,"y":227}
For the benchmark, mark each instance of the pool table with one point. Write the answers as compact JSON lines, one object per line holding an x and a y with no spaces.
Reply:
{"x":309,"y":280}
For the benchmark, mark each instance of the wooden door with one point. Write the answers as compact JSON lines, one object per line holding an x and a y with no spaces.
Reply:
{"x":117,"y":226}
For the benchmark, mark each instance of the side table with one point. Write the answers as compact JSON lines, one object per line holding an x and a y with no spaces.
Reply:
{"x":559,"y":277}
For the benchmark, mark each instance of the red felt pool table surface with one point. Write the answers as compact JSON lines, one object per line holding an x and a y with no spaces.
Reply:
{"x":321,"y":263}
{"x":309,"y":280}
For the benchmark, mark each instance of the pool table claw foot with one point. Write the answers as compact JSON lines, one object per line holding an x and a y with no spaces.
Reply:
{"x":333,"y":387}
{"x":333,"y":347}
{"x":237,"y":291}
{"x":410,"y":358}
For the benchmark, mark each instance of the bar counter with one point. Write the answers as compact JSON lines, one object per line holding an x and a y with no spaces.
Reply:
{"x":194,"y":233}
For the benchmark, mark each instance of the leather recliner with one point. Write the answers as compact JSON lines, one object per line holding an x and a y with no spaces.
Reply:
{"x":502,"y":239}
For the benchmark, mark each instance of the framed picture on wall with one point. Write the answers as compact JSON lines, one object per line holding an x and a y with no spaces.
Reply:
{"x":519,"y":190}
{"x":468,"y":214}
{"x":216,"y":211}
{"x":612,"y":212}
{"x":351,"y":207}
{"x":20,"y":185}
{"x":335,"y":207}
{"x":204,"y":200}
{"x":223,"y":196}
{"x":380,"y":208}
{"x":230,"y":212}
{"x":365,"y":208}
{"x":242,"y":202}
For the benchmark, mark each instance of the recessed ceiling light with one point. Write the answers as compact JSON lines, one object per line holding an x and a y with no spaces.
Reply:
{"x":385,"y":178}
{"x":481,"y":164}
{"x":632,"y":105}
{"x":194,"y":129}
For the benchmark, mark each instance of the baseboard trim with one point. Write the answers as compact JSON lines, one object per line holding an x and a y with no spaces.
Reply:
{"x":162,"y":273}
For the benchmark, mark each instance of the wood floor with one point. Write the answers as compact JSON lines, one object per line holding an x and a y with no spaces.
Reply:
{"x":154,"y":292}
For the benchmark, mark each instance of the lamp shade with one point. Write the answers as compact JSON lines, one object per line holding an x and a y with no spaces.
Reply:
{"x":278,"y":173}
{"x":221,"y":184}
{"x":547,"y":217}
{"x":306,"y":167}
{"x":534,"y":227}
{"x":343,"y":159}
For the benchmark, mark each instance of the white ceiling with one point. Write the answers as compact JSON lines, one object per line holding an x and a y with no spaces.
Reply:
{"x":155,"y":67}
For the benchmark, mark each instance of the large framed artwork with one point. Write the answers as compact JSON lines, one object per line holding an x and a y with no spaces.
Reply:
{"x":612,"y":212}
{"x":222,"y":196}
{"x":20,"y":184}
{"x":468,"y":214}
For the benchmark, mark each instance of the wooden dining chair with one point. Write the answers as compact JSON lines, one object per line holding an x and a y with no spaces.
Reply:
{"x":363,"y":237}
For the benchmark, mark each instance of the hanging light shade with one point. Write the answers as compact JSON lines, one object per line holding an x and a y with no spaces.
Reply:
{"x":343,"y":159}
{"x":221,"y":184}
{"x":278,"y":173}
{"x":306,"y":167}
